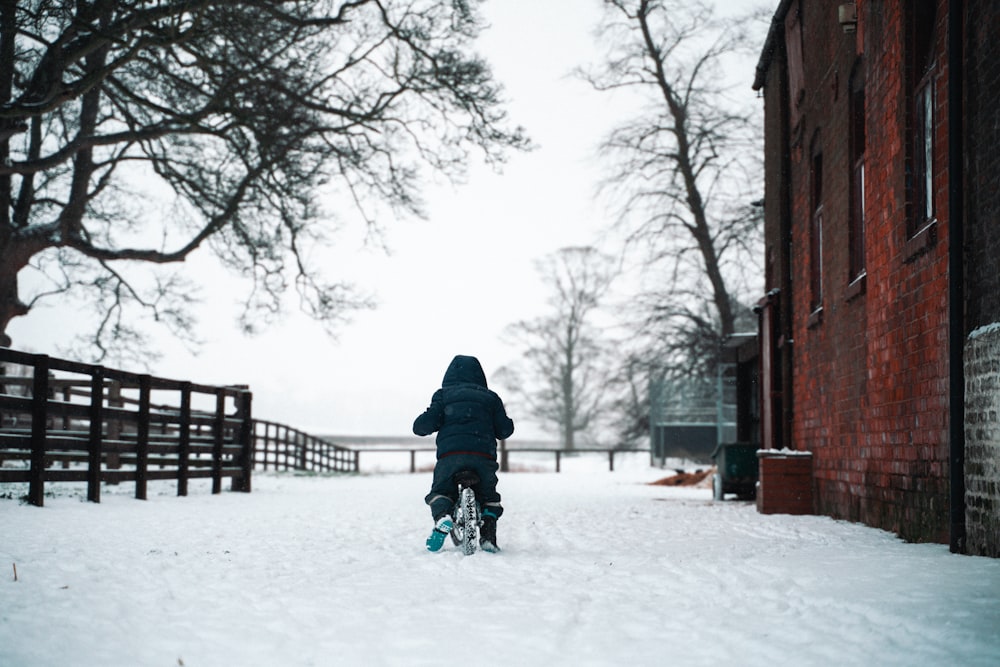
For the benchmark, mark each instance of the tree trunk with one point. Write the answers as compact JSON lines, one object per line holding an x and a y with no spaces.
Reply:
{"x":685,"y":163}
{"x":11,"y":305}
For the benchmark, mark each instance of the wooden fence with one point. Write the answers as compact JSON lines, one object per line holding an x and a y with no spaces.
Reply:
{"x":105,"y":425}
{"x":505,"y":455}
{"x":280,"y":447}
{"x":63,"y":421}
{"x":99,"y":425}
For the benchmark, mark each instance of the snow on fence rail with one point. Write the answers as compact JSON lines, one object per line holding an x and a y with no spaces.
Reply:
{"x":100,"y":425}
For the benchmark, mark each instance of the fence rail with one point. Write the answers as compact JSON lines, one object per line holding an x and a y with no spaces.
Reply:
{"x":503,"y":453}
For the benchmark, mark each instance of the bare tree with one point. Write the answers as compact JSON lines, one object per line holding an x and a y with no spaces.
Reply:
{"x":628,"y":392}
{"x":241,"y":111}
{"x":561,"y":378}
{"x":684,"y":170}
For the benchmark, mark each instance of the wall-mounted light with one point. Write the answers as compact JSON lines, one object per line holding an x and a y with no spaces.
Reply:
{"x":847,"y":14}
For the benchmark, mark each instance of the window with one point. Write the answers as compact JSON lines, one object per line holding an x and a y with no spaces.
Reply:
{"x":922,"y":17}
{"x":796,"y":68}
{"x":923,"y":150}
{"x":816,"y":235}
{"x":856,"y":221}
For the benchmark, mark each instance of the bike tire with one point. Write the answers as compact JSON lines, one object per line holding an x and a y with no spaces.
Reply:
{"x":470,"y":521}
{"x":458,"y":530}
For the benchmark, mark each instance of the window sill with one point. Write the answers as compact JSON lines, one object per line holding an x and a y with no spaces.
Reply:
{"x":856,"y":288}
{"x":815,"y":318}
{"x":922,"y":241}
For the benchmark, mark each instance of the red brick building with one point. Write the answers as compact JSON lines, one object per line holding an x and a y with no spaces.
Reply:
{"x":881,"y":218}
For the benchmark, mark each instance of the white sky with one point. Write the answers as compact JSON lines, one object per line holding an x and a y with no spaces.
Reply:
{"x":452,"y":283}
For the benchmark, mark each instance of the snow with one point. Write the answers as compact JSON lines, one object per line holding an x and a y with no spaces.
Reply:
{"x":988,"y":329}
{"x":597,"y":568}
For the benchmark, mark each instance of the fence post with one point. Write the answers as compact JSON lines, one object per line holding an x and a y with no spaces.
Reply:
{"x":503,"y":456}
{"x":96,"y":416}
{"x":184,"y":440}
{"x":39,"y":418}
{"x":611,"y":460}
{"x":273,"y":446}
{"x":281,"y":446}
{"x":303,"y":451}
{"x":289,"y":456}
{"x":114,"y":425}
{"x":67,"y":420}
{"x":219,"y":428}
{"x":267,"y":442}
{"x":413,"y":461}
{"x":142,"y":438}
{"x":558,"y":458}
{"x":244,"y":399}
{"x":323,"y":453}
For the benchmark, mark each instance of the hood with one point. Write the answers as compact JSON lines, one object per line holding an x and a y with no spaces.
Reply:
{"x":464,"y":369}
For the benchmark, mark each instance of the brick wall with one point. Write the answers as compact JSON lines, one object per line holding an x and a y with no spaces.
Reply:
{"x":785,"y":482}
{"x":871,"y":371}
{"x":866,"y":389}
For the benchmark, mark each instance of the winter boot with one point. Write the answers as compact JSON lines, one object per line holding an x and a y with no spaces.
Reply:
{"x":442,"y":527}
{"x":488,"y":533}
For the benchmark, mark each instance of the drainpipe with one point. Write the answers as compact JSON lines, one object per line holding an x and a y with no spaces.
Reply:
{"x":956,"y":278}
{"x":782,"y":292}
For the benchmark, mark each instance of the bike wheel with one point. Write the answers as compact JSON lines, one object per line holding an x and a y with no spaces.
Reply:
{"x":470,"y":521}
{"x":458,"y":530}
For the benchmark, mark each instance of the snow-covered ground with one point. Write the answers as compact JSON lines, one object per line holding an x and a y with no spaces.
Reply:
{"x":598,"y":568}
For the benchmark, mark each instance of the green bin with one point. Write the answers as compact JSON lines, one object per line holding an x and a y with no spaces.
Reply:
{"x":736,"y":470}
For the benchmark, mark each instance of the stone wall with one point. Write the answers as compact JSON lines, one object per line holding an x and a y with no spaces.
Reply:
{"x":982,"y":441}
{"x":982,"y":243}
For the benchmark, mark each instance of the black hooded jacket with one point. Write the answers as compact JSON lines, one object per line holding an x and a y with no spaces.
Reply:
{"x":467,"y":416}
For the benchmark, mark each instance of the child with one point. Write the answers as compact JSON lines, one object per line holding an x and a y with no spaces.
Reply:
{"x":468,"y":418}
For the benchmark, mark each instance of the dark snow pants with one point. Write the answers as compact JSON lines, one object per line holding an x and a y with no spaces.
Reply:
{"x":444,"y":491}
